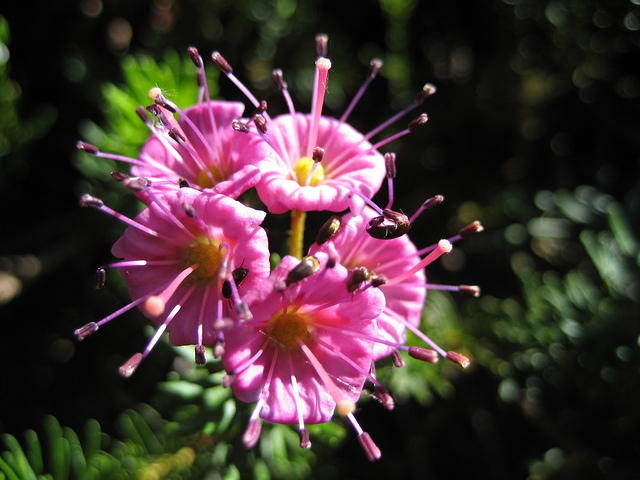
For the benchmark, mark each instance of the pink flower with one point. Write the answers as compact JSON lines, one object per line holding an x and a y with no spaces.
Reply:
{"x":178,"y":254}
{"x":306,"y":352}
{"x":200,"y":149}
{"x":349,"y":163}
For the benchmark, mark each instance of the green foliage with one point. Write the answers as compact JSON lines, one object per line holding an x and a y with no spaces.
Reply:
{"x":573,"y":335}
{"x":15,"y":130}
{"x":60,"y":455}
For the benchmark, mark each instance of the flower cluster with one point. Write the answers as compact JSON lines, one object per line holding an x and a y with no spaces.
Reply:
{"x":300,"y":341}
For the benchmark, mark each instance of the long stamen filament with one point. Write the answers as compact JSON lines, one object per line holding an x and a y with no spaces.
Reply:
{"x":141,"y":263}
{"x":376,"y":65}
{"x":322,"y":71}
{"x":155,"y":304}
{"x":344,"y":406}
{"x":443,"y":246}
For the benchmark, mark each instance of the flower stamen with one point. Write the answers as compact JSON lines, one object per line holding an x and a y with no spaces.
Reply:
{"x":320,"y":87}
{"x":155,"y":304}
{"x":344,"y":406}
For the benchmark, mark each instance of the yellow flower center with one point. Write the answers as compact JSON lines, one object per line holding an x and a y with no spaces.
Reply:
{"x":302,"y":168}
{"x":207,"y":254}
{"x":204,"y":179}
{"x":286,"y":327}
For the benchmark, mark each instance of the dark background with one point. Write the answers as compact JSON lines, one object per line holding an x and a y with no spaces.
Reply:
{"x":533,"y":96}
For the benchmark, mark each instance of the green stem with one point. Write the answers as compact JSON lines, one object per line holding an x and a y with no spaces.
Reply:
{"x":296,"y":240}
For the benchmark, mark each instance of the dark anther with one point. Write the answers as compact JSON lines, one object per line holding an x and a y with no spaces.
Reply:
{"x":261,"y":123}
{"x":200,"y":356}
{"x":239,"y":126}
{"x":390,"y":164}
{"x":357,"y":277}
{"x":142,"y":113}
{"x":378,"y":280}
{"x":154,"y":110}
{"x":384,"y":397}
{"x":459,"y":358}
{"x":376,"y":65}
{"x":384,"y":231}
{"x":119,"y":176}
{"x":160,"y":100}
{"x":328,"y":230}
{"x":87,"y":200}
{"x":397,"y":359}
{"x":86,"y":330}
{"x":239,"y":274}
{"x":195,"y":56}
{"x":370,"y":448}
{"x":261,"y":108}
{"x":86,"y":147}
{"x":424,"y":354}
{"x":221,"y":62}
{"x":307,"y":267}
{"x":251,"y":434}
{"x":175,"y":134}
{"x":101,"y":277}
{"x":137,"y":184}
{"x":182,"y":183}
{"x":317,"y":154}
{"x":433,"y":202}
{"x":129,"y":367}
{"x":322,"y":40}
{"x":473,"y":227}
{"x":278,"y":77}
{"x":427,"y":90}
{"x":305,"y":439}
{"x":472,"y":290}
{"x":418,"y":122}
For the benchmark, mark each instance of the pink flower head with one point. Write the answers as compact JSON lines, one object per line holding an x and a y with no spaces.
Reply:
{"x":202,"y":149}
{"x":307,"y":350}
{"x":348,"y":163}
{"x":199,"y":149}
{"x":321,"y":161}
{"x":180,"y":259}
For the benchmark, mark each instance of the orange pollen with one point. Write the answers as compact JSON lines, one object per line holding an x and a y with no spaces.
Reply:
{"x":208,"y":255}
{"x":287,"y":327}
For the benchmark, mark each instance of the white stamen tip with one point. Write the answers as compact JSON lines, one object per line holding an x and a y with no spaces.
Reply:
{"x":155,"y":92}
{"x":323,"y":63}
{"x":429,"y":89}
{"x":445,"y":245}
{"x":154,"y":306}
{"x":345,"y":407}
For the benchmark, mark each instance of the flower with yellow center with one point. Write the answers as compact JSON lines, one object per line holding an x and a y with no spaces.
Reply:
{"x":289,"y":326}
{"x":303,"y":168}
{"x":207,"y":254}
